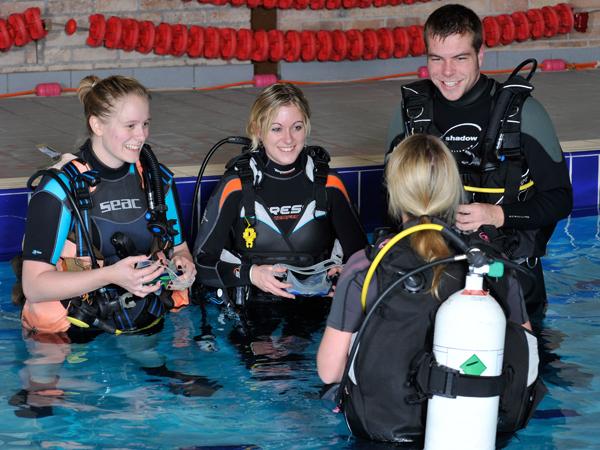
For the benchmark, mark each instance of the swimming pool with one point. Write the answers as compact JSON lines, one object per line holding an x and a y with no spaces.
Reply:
{"x":268,"y":394}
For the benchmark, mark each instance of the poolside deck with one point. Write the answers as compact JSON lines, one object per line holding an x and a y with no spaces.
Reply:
{"x":350,"y":120}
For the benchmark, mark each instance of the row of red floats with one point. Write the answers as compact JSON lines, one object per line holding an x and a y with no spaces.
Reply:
{"x":21,"y":28}
{"x":532,"y":24}
{"x":260,"y":45}
{"x":227,"y":43}
{"x":312,"y":4}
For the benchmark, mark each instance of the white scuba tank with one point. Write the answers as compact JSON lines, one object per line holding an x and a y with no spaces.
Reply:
{"x":469,"y":337}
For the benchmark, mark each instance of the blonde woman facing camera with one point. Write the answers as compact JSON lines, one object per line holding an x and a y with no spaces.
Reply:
{"x":279,"y":203}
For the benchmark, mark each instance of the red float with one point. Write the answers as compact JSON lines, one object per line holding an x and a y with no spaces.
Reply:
{"x":316,"y":4}
{"x":276,"y":45}
{"x":70,"y":27}
{"x":308,"y":41}
{"x":114,"y":29}
{"x":147,"y":37}
{"x":491,"y":31}
{"x":254,"y":3}
{"x":96,"y":31}
{"x":270,"y":4}
{"x":365,"y":3}
{"x":333,"y":4}
{"x":195,"y":46}
{"x":18,"y":30}
{"x":130,"y":34}
{"x":34,"y":23}
{"x":348,"y":4}
{"x":228,"y":42}
{"x":401,"y":42}
{"x":386,"y":43}
{"x":325,"y":45}
{"x":566,"y":18}
{"x":551,"y":21}
{"x":536,"y":23}
{"x":212,"y":42}
{"x":417,"y":42}
{"x":292,"y":46}
{"x":300,"y":4}
{"x":340,"y":45}
{"x":371,"y":44}
{"x":285,"y":4}
{"x":243,"y":49}
{"x":163,"y":39}
{"x":237,"y":3}
{"x":179,"y":44}
{"x":355,"y":44}
{"x":260,"y":52}
{"x":522,"y":27}
{"x":507,"y":29}
{"x":6,"y":41}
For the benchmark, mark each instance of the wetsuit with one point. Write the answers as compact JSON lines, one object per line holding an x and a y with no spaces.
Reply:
{"x":286,"y":228}
{"x":119,"y":204}
{"x":532,"y":218}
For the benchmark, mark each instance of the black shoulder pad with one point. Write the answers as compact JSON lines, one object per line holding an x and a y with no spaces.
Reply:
{"x":318,"y":153}
{"x":242,"y":160}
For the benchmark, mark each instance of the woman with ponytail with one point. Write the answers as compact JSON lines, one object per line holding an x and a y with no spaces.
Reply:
{"x":423,"y":183}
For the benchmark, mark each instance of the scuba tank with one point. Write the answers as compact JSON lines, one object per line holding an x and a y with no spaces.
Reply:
{"x":469,"y":338}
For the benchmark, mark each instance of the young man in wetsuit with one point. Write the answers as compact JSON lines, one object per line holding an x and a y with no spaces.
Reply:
{"x":534,"y":180}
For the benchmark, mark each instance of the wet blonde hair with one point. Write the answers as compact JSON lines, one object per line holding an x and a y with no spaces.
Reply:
{"x":267,"y":105}
{"x":99,"y":96}
{"x":423,"y":182}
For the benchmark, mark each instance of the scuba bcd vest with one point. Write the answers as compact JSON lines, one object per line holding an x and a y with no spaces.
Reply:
{"x":499,"y":145}
{"x":256,"y":235}
{"x":391,"y":371}
{"x":110,"y":308}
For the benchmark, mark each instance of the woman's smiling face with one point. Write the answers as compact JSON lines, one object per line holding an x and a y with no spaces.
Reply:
{"x":284,"y":139}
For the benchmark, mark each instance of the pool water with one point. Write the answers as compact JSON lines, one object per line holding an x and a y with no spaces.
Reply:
{"x":167,"y":391}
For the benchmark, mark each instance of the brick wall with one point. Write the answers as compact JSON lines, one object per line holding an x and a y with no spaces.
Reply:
{"x":59,"y":52}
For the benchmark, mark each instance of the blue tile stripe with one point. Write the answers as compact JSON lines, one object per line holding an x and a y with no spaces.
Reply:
{"x":363,"y":184}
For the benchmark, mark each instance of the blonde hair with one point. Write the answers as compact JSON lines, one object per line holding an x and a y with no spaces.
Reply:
{"x":267,"y":105}
{"x":423,"y":182}
{"x":99,"y":96}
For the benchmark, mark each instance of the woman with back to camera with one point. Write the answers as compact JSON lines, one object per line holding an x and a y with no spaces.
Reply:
{"x":423,"y":184}
{"x":117,"y":199}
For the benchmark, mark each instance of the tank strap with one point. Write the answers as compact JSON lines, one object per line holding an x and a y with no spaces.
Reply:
{"x":430,"y":378}
{"x":321,"y":161}
{"x":82,"y":179}
{"x":417,"y":105}
{"x":246,"y":174}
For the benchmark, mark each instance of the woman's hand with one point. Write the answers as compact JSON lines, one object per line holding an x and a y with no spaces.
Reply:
{"x":135,"y":275}
{"x":182,"y":260}
{"x":263,"y":277}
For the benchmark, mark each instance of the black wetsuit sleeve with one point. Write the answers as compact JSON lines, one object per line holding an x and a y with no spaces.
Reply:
{"x":221,"y":211}
{"x":346,"y":223}
{"x":47,"y":226}
{"x":553,"y":199}
{"x":346,"y":312}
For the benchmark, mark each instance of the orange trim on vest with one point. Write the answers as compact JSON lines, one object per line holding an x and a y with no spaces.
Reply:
{"x":335,"y":182}
{"x":231,"y":187}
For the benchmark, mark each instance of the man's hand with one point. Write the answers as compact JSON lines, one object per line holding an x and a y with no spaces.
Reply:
{"x":471,"y":217}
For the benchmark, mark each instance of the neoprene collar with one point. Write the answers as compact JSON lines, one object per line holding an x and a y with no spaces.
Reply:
{"x":269,"y":167}
{"x":108,"y":173}
{"x":483,"y":86}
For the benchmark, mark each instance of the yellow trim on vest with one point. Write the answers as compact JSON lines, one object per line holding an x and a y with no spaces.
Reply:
{"x":496,"y":190}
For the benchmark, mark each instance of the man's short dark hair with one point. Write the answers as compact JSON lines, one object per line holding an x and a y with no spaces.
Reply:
{"x":454,"y":19}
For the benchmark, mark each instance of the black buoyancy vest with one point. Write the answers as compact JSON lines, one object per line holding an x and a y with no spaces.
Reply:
{"x":309,"y":241}
{"x":387,"y":402}
{"x":376,"y":406}
{"x":497,"y":160}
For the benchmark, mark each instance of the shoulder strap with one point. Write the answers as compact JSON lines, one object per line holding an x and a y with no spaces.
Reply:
{"x":321,"y":159}
{"x":417,"y":107}
{"x":242,"y":165}
{"x":81,"y":179}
